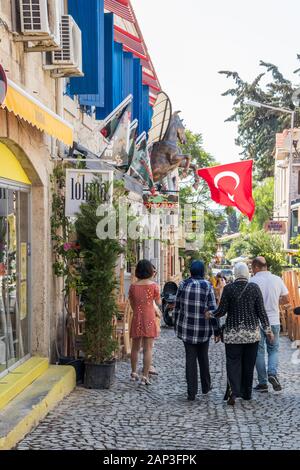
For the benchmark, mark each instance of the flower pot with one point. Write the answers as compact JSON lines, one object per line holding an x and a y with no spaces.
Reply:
{"x":78,"y":365}
{"x":99,"y":376}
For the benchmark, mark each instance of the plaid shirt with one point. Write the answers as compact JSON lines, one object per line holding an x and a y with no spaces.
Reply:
{"x":194,"y":297}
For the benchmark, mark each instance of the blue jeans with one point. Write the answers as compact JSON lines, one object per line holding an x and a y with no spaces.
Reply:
{"x":273,"y":354}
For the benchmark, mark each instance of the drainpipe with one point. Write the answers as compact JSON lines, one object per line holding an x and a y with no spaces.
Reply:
{"x":59,"y":89}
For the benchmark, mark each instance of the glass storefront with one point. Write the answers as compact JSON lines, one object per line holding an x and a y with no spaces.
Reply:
{"x":14,"y":275}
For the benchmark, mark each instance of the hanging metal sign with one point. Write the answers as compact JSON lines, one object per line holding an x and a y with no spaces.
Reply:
{"x":3,"y":85}
{"x":83,"y":186}
{"x":161,"y":201}
{"x":162,"y":113}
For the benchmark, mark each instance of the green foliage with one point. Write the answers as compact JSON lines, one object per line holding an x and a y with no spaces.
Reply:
{"x":200,"y":198}
{"x":99,"y":258}
{"x":260,"y":243}
{"x":295,"y":244}
{"x":263,"y":195}
{"x":239,"y":247}
{"x":201,"y":159}
{"x":66,"y":251}
{"x":269,"y":246}
{"x":232,"y":219}
{"x":257,"y":126}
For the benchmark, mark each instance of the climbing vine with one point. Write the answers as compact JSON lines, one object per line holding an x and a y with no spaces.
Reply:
{"x":65,"y":247}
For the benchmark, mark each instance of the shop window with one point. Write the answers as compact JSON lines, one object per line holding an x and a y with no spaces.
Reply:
{"x":14,"y":276}
{"x":294,"y":225}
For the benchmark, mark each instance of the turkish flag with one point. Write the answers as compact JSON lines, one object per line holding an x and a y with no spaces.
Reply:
{"x":231,"y":185}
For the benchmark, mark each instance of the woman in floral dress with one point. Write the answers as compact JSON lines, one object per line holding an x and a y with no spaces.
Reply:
{"x":142,"y":296}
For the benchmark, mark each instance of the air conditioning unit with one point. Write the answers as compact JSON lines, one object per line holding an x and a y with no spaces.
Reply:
{"x":39,"y":24}
{"x":67,"y":62}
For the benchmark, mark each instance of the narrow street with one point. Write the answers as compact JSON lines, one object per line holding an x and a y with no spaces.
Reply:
{"x":131,"y":416}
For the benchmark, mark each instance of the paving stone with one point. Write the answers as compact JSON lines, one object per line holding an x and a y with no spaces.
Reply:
{"x":131,"y":416}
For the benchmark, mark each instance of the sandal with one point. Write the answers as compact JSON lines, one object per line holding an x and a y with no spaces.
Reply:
{"x":153,"y":372}
{"x":134,"y":377}
{"x":231,"y":400}
{"x":145,"y":381}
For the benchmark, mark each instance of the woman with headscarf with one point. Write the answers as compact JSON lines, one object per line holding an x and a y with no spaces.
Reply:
{"x":195,"y":295}
{"x":243,"y":303}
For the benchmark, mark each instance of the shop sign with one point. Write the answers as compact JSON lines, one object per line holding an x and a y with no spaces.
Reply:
{"x":85,"y":185}
{"x":275,"y":226}
{"x":3,"y":85}
{"x":161,"y":201}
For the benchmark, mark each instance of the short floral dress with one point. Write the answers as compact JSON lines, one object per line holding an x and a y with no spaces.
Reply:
{"x":143,"y":323}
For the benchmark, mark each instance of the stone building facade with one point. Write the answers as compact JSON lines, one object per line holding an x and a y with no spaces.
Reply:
{"x":36,"y":131}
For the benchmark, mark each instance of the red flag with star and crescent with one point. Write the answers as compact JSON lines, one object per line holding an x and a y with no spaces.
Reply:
{"x":231,"y":185}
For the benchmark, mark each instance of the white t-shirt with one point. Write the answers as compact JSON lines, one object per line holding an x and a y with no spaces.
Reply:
{"x":272,"y":288}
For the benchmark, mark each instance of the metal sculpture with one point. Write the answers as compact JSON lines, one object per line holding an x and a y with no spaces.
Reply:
{"x":166,"y":155}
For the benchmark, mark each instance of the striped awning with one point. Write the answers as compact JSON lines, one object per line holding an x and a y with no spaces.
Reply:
{"x":30,"y":109}
{"x":128,"y":33}
{"x":151,"y":81}
{"x":135,"y":45}
{"x":132,"y":42}
{"x":121,"y":8}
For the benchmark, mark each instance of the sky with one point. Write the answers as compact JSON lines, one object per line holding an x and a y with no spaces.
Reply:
{"x":190,"y":41}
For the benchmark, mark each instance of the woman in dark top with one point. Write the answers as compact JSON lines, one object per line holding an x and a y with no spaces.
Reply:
{"x":243,"y":303}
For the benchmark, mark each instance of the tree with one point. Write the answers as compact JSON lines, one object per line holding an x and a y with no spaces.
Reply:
{"x":260,"y":243}
{"x":263,"y":195}
{"x":269,"y":246}
{"x":200,"y":158}
{"x":99,"y":258}
{"x":257,"y":126}
{"x":200,"y":198}
{"x":232,"y":220}
{"x":239,"y":247}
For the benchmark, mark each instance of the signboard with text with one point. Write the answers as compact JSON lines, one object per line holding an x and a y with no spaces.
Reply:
{"x":159,"y":201}
{"x":275,"y":226}
{"x":83,"y":186}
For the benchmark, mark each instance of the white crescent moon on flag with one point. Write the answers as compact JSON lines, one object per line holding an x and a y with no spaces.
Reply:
{"x":231,"y":174}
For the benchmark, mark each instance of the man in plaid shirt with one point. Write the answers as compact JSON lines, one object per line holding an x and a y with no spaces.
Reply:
{"x":194,"y":297}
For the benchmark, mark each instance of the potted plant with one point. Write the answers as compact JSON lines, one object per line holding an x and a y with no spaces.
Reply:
{"x":98,"y":262}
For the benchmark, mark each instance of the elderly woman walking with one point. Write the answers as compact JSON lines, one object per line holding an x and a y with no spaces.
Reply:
{"x":243,"y":303}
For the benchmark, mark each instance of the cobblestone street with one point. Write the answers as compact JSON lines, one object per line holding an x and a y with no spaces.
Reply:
{"x":132,"y":416}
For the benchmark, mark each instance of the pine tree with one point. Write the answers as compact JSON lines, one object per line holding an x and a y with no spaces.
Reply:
{"x":99,"y":259}
{"x":257,"y":127}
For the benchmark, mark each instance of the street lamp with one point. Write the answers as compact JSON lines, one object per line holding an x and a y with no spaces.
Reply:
{"x":256,"y":104}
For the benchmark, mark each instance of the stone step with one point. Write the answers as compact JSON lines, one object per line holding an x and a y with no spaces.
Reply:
{"x":25,"y":411}
{"x":19,"y":378}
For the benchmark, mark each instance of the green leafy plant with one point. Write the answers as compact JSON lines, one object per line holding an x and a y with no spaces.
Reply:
{"x":269,"y":246}
{"x":99,"y":258}
{"x":65,"y":247}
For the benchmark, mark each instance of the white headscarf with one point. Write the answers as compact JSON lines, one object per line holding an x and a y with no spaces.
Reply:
{"x":241,"y":271}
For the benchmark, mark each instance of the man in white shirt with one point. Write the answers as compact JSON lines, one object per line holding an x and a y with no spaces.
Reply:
{"x":274,"y":292}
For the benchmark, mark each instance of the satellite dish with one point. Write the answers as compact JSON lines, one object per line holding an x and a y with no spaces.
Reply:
{"x":296,"y":98}
{"x":162,"y":113}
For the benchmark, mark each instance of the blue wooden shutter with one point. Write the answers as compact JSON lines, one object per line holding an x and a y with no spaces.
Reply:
{"x":138,"y":93}
{"x":90,"y":19}
{"x":127,"y":74}
{"x":147,"y":112}
{"x":117,"y":74}
{"x":102,"y":112}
